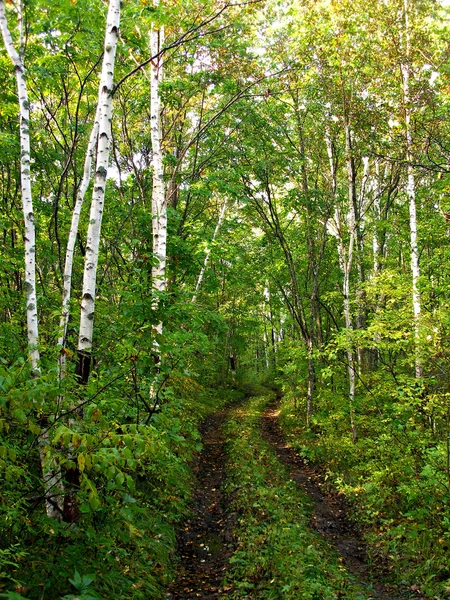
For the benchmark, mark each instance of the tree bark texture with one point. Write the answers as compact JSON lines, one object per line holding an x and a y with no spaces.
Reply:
{"x":50,"y":471}
{"x":411,"y":193}
{"x":25,"y":178}
{"x":105,"y":101}
{"x":159,"y":203}
{"x":68,"y":265}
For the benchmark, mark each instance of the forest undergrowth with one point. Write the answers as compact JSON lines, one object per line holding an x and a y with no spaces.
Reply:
{"x":278,"y":555}
{"x":395,"y":481}
{"x":124,"y":541}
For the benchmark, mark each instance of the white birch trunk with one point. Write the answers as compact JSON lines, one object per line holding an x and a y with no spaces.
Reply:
{"x":50,"y":472}
{"x":363,"y":192}
{"x":411,"y":194}
{"x":266,"y":343}
{"x":345,"y":262}
{"x":159,"y":201}
{"x":208,"y":251}
{"x":68,"y":265}
{"x":376,"y":247}
{"x":25,"y":177}
{"x":105,"y":101}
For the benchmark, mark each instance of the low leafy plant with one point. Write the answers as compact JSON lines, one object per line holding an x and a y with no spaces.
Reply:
{"x":82,"y":583}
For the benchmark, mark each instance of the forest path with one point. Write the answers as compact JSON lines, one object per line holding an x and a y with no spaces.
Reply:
{"x":205,"y":543}
{"x":329,"y":511}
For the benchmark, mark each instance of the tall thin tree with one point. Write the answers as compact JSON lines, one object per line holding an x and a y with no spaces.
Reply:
{"x":105,"y":104}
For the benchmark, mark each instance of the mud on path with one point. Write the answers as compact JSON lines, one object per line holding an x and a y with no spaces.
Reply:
{"x":329,"y":511}
{"x":205,"y":543}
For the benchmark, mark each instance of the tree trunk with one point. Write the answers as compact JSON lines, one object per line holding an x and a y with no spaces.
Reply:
{"x":25,"y":178}
{"x":311,"y":383}
{"x":159,"y":201}
{"x":376,"y":246}
{"x":68,"y":265}
{"x":50,"y":471}
{"x":411,"y":193}
{"x":105,"y":100}
{"x":345,"y":262}
{"x":354,"y":217}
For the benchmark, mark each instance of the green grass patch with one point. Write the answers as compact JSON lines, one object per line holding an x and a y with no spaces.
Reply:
{"x":278,"y":555}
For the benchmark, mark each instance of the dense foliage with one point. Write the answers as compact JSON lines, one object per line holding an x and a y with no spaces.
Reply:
{"x":306,"y":172}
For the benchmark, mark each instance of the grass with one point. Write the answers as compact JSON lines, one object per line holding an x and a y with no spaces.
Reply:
{"x":278,"y":555}
{"x":395,"y":482}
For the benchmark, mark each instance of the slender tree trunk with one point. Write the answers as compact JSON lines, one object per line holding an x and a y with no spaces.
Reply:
{"x":376,"y":246}
{"x":375,"y":187}
{"x":25,"y":177}
{"x":354,"y":217}
{"x":159,"y":200}
{"x":208,"y":250}
{"x":105,"y":100}
{"x":273,"y":336}
{"x":411,"y":193}
{"x":68,"y":266}
{"x":314,"y":295}
{"x":266,"y":342}
{"x":311,"y":383}
{"x":345,"y":262}
{"x":50,"y":471}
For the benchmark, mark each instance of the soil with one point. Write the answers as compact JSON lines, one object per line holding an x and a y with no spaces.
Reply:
{"x":330,"y":513}
{"x":205,"y":543}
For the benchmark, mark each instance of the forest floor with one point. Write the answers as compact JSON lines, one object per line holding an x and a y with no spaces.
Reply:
{"x":330,"y":512}
{"x":206,"y":542}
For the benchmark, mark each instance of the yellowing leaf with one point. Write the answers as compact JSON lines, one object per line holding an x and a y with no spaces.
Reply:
{"x":81,"y":462}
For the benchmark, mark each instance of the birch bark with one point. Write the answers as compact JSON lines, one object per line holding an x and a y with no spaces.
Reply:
{"x":105,"y":101}
{"x":68,"y":265}
{"x":159,"y":203}
{"x":25,"y":177}
{"x":411,"y":193}
{"x":50,"y":471}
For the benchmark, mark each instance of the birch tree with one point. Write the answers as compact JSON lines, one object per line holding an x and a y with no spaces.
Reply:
{"x":159,"y":207}
{"x":17,"y":58}
{"x":411,"y":192}
{"x":345,"y":263}
{"x":68,"y":264}
{"x":51,"y":475}
{"x":105,"y":103}
{"x":159,"y":200}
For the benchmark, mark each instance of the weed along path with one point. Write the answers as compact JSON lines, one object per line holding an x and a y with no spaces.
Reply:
{"x":205,"y":543}
{"x":329,"y":511}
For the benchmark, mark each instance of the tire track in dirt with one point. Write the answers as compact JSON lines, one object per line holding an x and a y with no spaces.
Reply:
{"x":205,"y":543}
{"x":329,"y":512}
